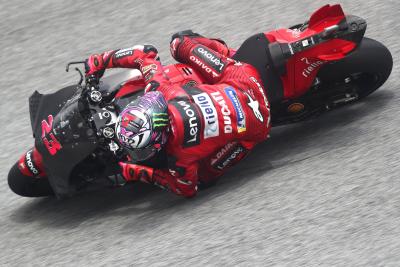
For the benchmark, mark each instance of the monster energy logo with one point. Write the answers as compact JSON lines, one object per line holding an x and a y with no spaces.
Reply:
{"x":160,"y":120}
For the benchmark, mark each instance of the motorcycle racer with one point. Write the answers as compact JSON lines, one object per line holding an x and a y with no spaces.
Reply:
{"x":204,"y":128}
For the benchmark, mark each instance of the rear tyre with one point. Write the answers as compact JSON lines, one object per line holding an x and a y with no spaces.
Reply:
{"x":27,"y":186}
{"x":341,"y":83}
{"x":367,"y":68}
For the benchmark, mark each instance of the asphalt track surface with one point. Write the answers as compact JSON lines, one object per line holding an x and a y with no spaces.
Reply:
{"x":320,"y":193}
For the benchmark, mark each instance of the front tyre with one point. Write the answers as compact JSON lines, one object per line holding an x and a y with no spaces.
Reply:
{"x":28,"y":186}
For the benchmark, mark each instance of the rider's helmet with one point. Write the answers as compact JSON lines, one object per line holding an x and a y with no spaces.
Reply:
{"x":142,"y":127}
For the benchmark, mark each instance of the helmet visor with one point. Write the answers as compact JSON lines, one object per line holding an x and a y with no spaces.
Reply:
{"x":141,"y":154}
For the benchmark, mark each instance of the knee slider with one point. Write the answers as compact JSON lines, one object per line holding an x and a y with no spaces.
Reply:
{"x":150,"y":48}
{"x":182,"y":34}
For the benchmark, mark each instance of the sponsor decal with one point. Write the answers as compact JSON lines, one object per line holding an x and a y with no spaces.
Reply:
{"x":310,"y":66}
{"x":29,"y":162}
{"x":127,"y":51}
{"x":228,"y":156}
{"x":203,"y":66}
{"x":148,"y":68}
{"x":295,"y":32}
{"x":123,"y":53}
{"x":210,"y":116}
{"x":222,"y":152}
{"x":149,"y":71}
{"x":255,"y":106}
{"x":52,"y":145}
{"x":240,"y":117}
{"x":160,"y":120}
{"x":207,"y":60}
{"x":226,"y":113}
{"x":261,"y":89}
{"x":191,"y":122}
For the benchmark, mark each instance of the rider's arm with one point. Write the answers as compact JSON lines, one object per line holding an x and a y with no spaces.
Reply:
{"x":142,"y":57}
{"x":132,"y":58}
{"x":120,"y":58}
{"x":181,"y":181}
{"x":214,"y":44}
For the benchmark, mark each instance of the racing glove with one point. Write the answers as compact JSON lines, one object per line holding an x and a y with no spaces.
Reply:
{"x":160,"y":178}
{"x":134,"y":172}
{"x":142,"y":57}
{"x":94,"y":65}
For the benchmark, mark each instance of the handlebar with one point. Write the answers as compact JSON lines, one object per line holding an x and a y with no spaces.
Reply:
{"x":91,"y":87}
{"x":102,"y":115}
{"x":92,"y":80}
{"x":77,"y":69}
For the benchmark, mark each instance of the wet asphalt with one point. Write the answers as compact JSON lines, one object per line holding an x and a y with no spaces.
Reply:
{"x":320,"y":193}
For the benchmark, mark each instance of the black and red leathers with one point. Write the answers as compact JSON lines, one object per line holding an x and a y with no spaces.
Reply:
{"x":212,"y":125}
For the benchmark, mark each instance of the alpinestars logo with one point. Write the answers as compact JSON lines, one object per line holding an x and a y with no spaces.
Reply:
{"x":254,"y":80}
{"x":255,"y":106}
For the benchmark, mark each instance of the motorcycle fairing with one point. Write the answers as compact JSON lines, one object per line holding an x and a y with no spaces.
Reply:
{"x":67,"y":127}
{"x":302,"y":68}
{"x":325,"y":16}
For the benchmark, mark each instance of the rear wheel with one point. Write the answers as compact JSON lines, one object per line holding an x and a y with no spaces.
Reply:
{"x":339,"y":83}
{"x":366,"y":69}
{"x":28,"y":186}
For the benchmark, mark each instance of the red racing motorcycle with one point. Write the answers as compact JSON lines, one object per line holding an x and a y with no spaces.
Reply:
{"x":310,"y":68}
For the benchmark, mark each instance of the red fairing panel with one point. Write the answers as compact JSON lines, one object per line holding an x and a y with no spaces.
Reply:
{"x":303,"y":67}
{"x":31,"y":164}
{"x":325,"y":16}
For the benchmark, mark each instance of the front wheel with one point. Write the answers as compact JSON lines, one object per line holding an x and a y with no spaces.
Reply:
{"x":28,"y":186}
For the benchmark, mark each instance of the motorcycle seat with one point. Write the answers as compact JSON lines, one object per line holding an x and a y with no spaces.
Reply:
{"x":255,"y":51}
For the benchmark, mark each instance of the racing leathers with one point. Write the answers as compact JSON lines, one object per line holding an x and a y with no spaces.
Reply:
{"x":212,"y":125}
